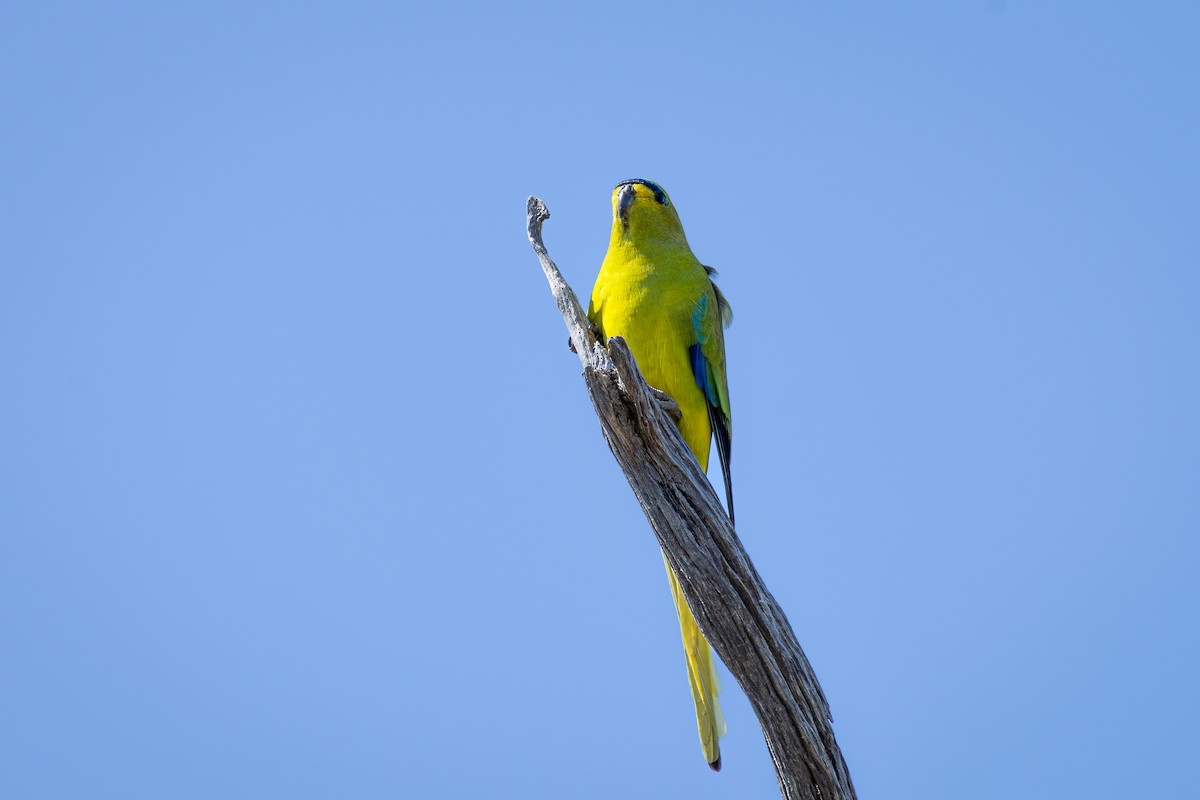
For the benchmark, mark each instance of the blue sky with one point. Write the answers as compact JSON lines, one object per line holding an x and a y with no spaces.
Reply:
{"x":303,"y":496}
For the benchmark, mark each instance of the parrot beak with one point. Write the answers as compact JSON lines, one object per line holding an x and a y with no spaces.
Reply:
{"x":624,"y":201}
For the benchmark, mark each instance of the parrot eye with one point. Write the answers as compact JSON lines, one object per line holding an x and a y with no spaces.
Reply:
{"x":660,"y":196}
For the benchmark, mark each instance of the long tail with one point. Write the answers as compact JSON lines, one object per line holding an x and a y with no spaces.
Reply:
{"x":702,"y":675}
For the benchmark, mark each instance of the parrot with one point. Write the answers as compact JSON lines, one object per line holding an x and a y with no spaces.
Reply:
{"x":653,"y":292}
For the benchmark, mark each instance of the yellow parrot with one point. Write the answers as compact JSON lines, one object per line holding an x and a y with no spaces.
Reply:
{"x":653,"y":292}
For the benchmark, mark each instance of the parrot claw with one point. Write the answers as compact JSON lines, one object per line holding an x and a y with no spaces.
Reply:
{"x":595,"y":332}
{"x":669,"y":405}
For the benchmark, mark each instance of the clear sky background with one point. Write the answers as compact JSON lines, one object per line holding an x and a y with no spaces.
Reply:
{"x":300,"y":492}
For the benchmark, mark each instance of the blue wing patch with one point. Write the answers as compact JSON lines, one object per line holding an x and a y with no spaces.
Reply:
{"x":696,"y":351}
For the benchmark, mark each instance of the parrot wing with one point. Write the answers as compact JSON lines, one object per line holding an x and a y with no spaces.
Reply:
{"x":710,"y":317}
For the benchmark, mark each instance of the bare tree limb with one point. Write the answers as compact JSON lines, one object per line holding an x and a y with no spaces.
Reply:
{"x":736,"y":613}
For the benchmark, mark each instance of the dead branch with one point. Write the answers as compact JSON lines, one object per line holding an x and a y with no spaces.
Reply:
{"x":736,"y":613}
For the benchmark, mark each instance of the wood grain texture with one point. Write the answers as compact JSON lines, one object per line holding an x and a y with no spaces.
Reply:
{"x":736,"y":613}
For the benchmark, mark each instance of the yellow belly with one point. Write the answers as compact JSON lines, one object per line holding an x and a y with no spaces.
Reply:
{"x":654,"y":316}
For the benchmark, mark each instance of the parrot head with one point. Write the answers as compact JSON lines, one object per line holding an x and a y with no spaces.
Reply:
{"x":642,"y":210}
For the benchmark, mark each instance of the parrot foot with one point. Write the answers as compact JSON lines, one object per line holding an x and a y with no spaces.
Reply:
{"x":669,"y":405}
{"x":595,"y":332}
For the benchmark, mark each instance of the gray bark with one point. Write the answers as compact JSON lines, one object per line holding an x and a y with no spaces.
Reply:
{"x":736,"y":613}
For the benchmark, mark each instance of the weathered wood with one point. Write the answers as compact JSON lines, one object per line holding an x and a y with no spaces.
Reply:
{"x":736,"y":613}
